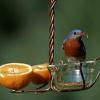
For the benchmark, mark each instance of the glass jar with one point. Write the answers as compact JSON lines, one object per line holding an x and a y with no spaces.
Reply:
{"x":68,"y":76}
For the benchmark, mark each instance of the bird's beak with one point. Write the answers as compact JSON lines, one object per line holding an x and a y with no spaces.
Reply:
{"x":84,"y":34}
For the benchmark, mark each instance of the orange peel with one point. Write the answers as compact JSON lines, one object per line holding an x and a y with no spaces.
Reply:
{"x":40,"y":74}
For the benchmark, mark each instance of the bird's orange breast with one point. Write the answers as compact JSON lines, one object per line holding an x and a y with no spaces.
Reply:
{"x":72,"y":48}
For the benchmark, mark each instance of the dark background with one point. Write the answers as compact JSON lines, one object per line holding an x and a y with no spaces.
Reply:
{"x":24,"y":36}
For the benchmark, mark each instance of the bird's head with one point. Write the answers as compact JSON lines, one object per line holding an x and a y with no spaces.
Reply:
{"x":76,"y":34}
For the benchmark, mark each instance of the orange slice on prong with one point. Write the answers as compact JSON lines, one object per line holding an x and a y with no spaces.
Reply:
{"x":41,"y":74}
{"x":15,"y":75}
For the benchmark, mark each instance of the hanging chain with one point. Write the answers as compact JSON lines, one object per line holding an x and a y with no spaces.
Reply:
{"x":51,"y":31}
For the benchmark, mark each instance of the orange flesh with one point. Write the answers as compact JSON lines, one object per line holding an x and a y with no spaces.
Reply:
{"x":41,"y":74}
{"x":15,"y":76}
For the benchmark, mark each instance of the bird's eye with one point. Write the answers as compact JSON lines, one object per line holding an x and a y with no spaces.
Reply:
{"x":74,"y":33}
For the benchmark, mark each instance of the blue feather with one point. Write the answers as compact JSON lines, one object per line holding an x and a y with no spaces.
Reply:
{"x":72,"y":33}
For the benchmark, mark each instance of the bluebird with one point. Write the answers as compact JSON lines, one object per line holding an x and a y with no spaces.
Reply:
{"x":74,"y":48}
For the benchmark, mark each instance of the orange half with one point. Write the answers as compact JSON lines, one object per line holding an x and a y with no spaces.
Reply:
{"x":15,"y":75}
{"x":40,"y":74}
